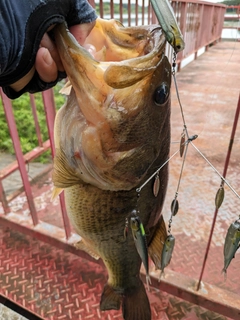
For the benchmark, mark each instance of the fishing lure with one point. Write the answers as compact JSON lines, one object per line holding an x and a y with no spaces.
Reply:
{"x":156,"y":185}
{"x":174,"y":207}
{"x":182,"y":144}
{"x":140,"y":240}
{"x":219,"y":197}
{"x":167,"y":253}
{"x":232,"y":243}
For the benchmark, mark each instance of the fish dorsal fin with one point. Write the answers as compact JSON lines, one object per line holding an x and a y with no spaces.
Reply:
{"x":64,"y":175}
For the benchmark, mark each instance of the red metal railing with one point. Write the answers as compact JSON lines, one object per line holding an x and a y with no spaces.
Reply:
{"x":201,"y":24}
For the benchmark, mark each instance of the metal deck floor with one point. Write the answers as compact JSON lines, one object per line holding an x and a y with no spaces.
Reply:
{"x":58,"y":285}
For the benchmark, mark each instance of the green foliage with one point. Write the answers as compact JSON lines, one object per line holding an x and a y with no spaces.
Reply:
{"x":231,"y":2}
{"x":25,"y":123}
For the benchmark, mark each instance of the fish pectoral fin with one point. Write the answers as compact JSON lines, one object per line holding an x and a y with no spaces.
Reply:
{"x":81,"y":245}
{"x":155,"y":247}
{"x":63,"y":175}
{"x":110,"y":299}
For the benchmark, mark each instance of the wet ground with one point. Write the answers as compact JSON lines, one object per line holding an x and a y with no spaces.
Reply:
{"x":209,"y":91}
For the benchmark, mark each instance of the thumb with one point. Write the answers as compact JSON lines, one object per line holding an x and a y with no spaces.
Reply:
{"x":45,"y":65}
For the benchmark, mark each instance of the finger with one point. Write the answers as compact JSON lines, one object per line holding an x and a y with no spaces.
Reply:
{"x":81,"y":31}
{"x":46,"y":42}
{"x":20,"y":84}
{"x":46,"y":66}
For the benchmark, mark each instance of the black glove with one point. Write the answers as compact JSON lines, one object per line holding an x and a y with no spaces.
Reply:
{"x":22,"y":26}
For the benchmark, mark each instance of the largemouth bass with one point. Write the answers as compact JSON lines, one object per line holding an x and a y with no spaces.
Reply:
{"x":110,"y":136}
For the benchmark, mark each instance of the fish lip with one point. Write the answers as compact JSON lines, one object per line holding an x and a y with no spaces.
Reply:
{"x":65,"y":40}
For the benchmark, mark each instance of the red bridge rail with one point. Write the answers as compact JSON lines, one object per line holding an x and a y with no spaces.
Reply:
{"x":201,"y":24}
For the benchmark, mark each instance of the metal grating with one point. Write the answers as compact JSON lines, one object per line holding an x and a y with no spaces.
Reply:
{"x":58,"y":285}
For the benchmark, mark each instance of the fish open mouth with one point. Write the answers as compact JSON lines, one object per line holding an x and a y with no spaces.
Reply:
{"x":136,"y":50}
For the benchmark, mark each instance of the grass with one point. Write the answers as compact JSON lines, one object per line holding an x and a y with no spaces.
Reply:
{"x":25,"y":123}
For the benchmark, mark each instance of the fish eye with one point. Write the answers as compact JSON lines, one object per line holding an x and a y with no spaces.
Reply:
{"x":160,"y":95}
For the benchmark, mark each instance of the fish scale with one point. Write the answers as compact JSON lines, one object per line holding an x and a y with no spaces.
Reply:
{"x":90,"y":227}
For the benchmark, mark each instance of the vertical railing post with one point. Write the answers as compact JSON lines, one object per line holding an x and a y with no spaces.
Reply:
{"x":129,"y":13}
{"x":183,"y":25}
{"x":209,"y":38}
{"x":150,"y":14}
{"x":199,"y":32}
{"x":136,"y":12}
{"x":101,"y":8}
{"x":111,"y":9}
{"x":121,"y":10}
{"x":143,"y":12}
{"x":35,"y":117}
{"x":3,"y":199}
{"x":19,"y":155}
{"x":50,"y":110}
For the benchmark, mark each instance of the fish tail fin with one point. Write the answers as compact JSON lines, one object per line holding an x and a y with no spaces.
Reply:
{"x":136,"y":305}
{"x":110,"y":299}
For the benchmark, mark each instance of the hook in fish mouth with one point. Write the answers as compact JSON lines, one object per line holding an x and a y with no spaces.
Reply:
{"x":155,"y":29}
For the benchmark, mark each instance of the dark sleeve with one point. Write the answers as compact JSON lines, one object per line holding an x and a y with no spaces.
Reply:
{"x":22,"y":26}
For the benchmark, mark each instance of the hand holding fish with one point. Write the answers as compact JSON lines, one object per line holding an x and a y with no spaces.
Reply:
{"x":48,"y":62}
{"x":24,"y":67}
